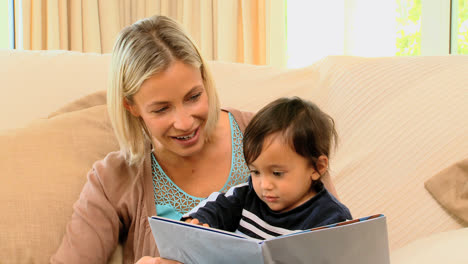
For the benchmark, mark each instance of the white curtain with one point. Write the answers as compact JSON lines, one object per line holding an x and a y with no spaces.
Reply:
{"x":246,"y":31}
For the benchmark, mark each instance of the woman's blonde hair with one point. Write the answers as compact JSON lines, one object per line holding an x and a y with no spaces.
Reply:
{"x":143,"y":49}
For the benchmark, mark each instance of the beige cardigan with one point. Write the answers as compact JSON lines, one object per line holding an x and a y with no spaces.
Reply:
{"x":113,"y":207}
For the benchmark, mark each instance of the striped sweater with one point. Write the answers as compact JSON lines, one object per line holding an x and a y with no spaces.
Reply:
{"x":241,"y":211}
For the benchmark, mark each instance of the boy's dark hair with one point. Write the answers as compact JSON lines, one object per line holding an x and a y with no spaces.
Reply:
{"x":309,"y":131}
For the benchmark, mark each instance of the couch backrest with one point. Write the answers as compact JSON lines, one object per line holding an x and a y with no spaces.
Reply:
{"x":35,"y":83}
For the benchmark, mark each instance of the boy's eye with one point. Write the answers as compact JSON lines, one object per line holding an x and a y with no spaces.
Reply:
{"x":254,"y":172}
{"x":278,"y":173}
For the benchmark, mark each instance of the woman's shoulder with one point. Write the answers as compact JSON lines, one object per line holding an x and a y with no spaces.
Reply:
{"x":242,"y":117}
{"x":115,"y":174}
{"x":113,"y":162}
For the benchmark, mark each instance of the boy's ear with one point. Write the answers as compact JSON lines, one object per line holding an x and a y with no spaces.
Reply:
{"x":315,"y":176}
{"x":322,"y":164}
{"x":131,"y":107}
{"x":322,"y":167}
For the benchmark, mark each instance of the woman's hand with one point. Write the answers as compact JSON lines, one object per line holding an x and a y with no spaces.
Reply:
{"x":195,"y":222}
{"x":150,"y":260}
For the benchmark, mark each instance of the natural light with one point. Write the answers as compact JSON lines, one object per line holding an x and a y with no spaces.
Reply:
{"x":370,"y":28}
{"x":339,"y":27}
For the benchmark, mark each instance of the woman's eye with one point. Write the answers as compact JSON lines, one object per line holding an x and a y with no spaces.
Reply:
{"x":195,"y":97}
{"x":160,"y":110}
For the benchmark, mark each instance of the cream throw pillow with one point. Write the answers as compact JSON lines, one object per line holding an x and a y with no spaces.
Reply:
{"x":90,"y":100}
{"x":44,"y":168}
{"x":450,"y":188}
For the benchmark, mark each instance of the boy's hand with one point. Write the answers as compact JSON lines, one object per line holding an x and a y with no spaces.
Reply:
{"x":195,"y":222}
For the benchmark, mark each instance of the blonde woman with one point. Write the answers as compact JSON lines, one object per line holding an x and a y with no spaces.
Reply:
{"x":176,"y":146}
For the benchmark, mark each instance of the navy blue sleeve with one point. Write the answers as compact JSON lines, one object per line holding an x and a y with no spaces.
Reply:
{"x":338,"y":215}
{"x":221,"y":210}
{"x":324,"y":209}
{"x":334,"y":212}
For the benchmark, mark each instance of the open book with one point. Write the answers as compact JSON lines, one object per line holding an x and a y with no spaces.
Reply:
{"x":362,"y":240}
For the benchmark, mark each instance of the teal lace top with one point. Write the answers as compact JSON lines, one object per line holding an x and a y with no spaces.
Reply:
{"x":172,"y":202}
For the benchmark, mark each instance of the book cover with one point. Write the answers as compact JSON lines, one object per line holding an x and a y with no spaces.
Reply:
{"x":362,"y":240}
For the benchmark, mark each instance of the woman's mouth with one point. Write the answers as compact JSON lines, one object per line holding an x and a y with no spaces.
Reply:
{"x":188,"y":140}
{"x":187,"y":137}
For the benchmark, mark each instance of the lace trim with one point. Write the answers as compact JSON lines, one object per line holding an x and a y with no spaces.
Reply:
{"x":166,"y":192}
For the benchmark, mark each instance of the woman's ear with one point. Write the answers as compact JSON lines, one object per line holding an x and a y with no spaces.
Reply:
{"x":131,"y":107}
{"x":322,"y":164}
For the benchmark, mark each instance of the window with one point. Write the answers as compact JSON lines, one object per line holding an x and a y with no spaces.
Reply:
{"x":305,"y":22}
{"x":317,"y":29}
{"x":370,"y":28}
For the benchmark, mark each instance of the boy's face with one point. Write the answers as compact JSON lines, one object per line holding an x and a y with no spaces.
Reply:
{"x":282,"y":178}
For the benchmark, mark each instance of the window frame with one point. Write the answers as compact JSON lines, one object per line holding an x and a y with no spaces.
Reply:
{"x":435,"y":28}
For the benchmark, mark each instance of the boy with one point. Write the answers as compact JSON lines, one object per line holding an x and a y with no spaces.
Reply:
{"x":286,"y":146}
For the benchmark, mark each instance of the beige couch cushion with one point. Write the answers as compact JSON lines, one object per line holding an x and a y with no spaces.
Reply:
{"x":446,"y":247}
{"x":44,"y":167}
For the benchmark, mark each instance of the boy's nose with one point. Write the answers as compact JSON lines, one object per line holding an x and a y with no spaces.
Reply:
{"x":266,"y":184}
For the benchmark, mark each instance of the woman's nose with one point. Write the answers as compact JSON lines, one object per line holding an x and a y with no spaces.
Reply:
{"x":183,"y":120}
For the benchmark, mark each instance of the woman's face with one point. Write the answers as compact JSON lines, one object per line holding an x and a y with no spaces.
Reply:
{"x":174,"y":106}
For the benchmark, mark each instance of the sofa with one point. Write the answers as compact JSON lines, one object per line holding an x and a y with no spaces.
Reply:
{"x":401,"y":121}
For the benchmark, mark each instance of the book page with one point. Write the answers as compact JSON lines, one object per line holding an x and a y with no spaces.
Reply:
{"x":364,"y":242}
{"x":188,"y":243}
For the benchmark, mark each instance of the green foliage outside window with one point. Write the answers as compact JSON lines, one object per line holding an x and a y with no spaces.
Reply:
{"x":408,"y":27}
{"x":462,"y":36}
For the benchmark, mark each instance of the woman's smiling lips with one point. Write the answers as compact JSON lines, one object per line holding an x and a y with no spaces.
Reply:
{"x":187,"y":136}
{"x":188,"y":139}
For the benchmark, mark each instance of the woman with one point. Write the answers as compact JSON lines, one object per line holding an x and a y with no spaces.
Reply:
{"x":176,"y":146}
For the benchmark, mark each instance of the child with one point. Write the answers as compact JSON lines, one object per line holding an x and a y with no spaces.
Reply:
{"x":286,"y":146}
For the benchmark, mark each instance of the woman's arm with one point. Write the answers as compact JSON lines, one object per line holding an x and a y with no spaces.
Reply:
{"x":92,"y":234}
{"x":328,"y":183}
